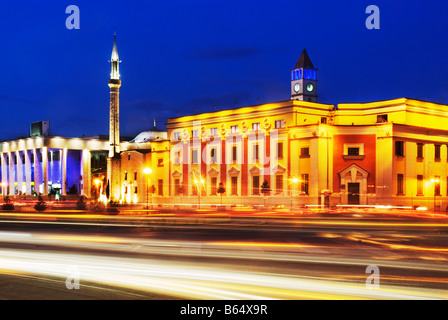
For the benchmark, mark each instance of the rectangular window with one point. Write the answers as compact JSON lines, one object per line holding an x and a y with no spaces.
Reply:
{"x":323,"y":120}
{"x":279,"y":150}
{"x":213,"y":155}
{"x":400,"y":184}
{"x":213,"y":188}
{"x":279,"y":124}
{"x":381,"y":118}
{"x":353,"y":151}
{"x":176,"y":187}
{"x":234,"y":129}
{"x":160,"y":162}
{"x":399,"y":148}
{"x":194,"y":156}
{"x":304,"y":184}
{"x":125,"y":176}
{"x":255,"y":149}
{"x":255,"y":185}
{"x":234,"y":153}
{"x":279,"y":183}
{"x":135,"y":189}
{"x":305,"y":152}
{"x":214,"y":132}
{"x":437,"y":186}
{"x":234,"y":182}
{"x":135,"y":175}
{"x":195,"y":133}
{"x":437,"y":152}
{"x":419,"y":150}
{"x":419,"y":185}
{"x":176,"y":136}
{"x":194,"y":189}
{"x":256,"y":126}
{"x":160,"y":186}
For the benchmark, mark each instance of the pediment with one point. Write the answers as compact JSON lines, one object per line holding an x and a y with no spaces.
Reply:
{"x":176,"y":174}
{"x":233,"y":171}
{"x":354,"y":171}
{"x":213,"y":172}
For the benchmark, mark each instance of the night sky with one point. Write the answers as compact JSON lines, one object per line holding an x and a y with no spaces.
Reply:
{"x":186,"y":57}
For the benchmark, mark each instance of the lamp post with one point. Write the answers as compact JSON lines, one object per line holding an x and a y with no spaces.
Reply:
{"x":4,"y":188}
{"x":147,"y":172}
{"x":293,"y":181}
{"x":198,"y":186}
{"x":434,"y":181}
{"x":97,"y":182}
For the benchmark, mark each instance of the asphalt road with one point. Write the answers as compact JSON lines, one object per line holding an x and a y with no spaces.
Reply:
{"x":224,"y":256}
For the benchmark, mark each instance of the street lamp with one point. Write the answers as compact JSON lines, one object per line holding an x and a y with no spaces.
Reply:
{"x":97,"y":182}
{"x":198,"y":186}
{"x":434,"y":181}
{"x":4,"y":185}
{"x":293,"y":181}
{"x":147,"y":171}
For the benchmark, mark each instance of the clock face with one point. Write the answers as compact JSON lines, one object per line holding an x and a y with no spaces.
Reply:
{"x":297,"y":87}
{"x":309,"y":87}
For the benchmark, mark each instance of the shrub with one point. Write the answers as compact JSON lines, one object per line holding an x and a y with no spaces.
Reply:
{"x":81,"y":204}
{"x":40,"y":205}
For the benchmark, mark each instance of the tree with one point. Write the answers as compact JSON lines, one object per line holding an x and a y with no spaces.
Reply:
{"x":221,"y":190}
{"x":265,"y":189}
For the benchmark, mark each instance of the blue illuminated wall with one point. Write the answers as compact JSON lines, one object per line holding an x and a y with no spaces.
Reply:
{"x":309,"y":74}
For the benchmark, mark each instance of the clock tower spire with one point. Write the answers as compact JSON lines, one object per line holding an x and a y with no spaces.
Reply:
{"x":304,"y":79}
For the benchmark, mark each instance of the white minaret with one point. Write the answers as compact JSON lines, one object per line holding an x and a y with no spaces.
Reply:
{"x":114,"y":84}
{"x":114,"y":160}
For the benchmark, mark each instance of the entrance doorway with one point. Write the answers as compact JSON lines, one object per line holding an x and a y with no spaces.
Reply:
{"x":353,"y":193}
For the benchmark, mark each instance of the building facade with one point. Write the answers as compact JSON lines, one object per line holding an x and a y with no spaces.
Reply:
{"x":381,"y":153}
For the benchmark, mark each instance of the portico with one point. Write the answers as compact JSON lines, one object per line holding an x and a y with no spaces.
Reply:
{"x":41,"y":164}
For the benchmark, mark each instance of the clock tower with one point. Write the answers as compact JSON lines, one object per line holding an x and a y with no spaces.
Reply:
{"x":304,"y":79}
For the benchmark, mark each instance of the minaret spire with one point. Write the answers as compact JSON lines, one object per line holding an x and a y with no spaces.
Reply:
{"x":113,"y":162}
{"x":115,"y":61}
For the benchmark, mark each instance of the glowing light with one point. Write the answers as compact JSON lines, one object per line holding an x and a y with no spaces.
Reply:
{"x":147,"y":171}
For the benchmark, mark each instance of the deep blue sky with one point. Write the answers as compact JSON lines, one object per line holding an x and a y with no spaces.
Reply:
{"x":184,"y":57}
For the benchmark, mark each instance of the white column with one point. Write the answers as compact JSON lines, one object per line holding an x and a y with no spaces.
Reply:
{"x":86,"y":172}
{"x":12,"y":177}
{"x":45,"y":169}
{"x":19,"y":172}
{"x":5,"y":181}
{"x":28,"y":171}
{"x":37,"y":171}
{"x":64,"y":171}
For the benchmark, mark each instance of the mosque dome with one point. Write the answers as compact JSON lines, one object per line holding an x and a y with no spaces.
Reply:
{"x":152,"y":134}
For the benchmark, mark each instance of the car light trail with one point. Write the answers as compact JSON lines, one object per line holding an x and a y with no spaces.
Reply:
{"x":196,"y":280}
